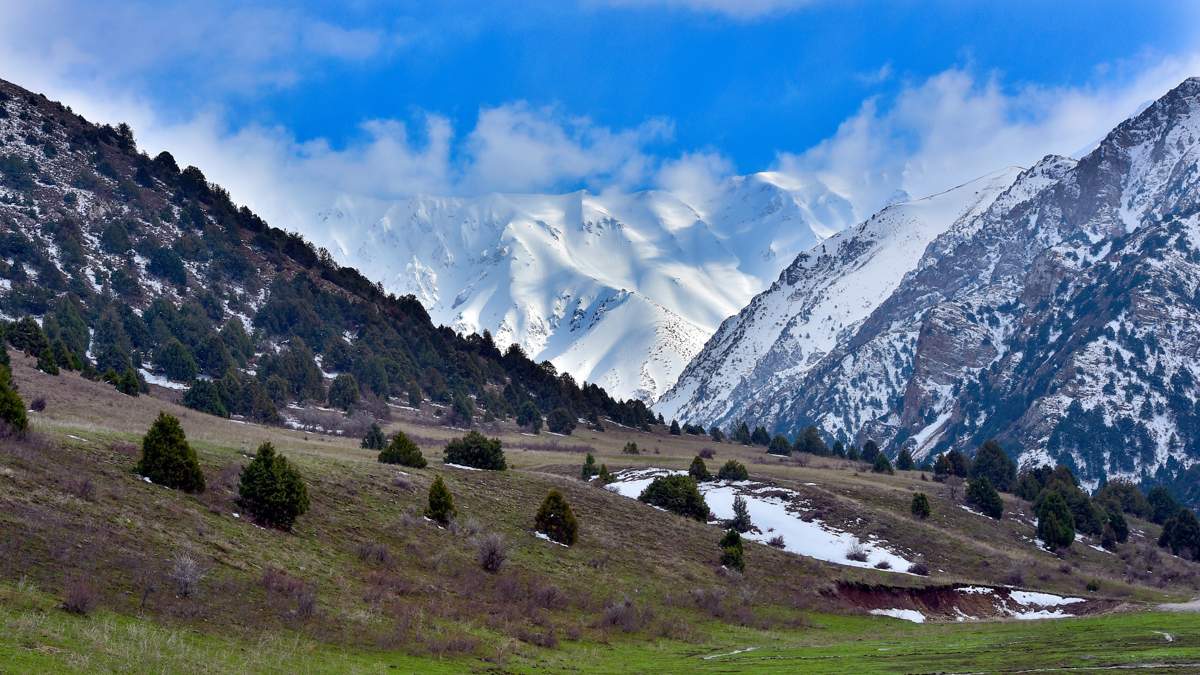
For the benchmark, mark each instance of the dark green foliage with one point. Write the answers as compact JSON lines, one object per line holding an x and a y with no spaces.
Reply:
{"x":960,"y":464}
{"x":631,"y":448}
{"x":529,"y":418}
{"x":732,"y":554}
{"x":167,"y":459}
{"x":272,"y":490}
{"x":733,"y":470}
{"x":993,"y":463}
{"x":920,"y":505}
{"x":343,"y":392}
{"x":441,"y":503}
{"x":715,"y":433}
{"x":741,"y":515}
{"x":589,"y":468}
{"x":869,"y":450}
{"x":760,"y":437}
{"x":1123,"y":495}
{"x":780,"y":446}
{"x":462,"y":412}
{"x":853,"y":454}
{"x":698,"y":470}
{"x":176,"y":361}
{"x":12,"y":408}
{"x":741,"y":434}
{"x":5,"y":360}
{"x":604,"y":478}
{"x":205,"y":396}
{"x":674,"y":430}
{"x":127,"y":382}
{"x":298,"y":367}
{"x":1162,"y":505}
{"x":111,"y":345}
{"x":47,"y":363}
{"x":560,"y":421}
{"x":1056,"y":525}
{"x":402,"y":451}
{"x":839,"y":449}
{"x":1181,"y":534}
{"x":556,"y":520}
{"x":1116,"y":530}
{"x":166,"y":264}
{"x":374,"y":439}
{"x":881,"y":464}
{"x":476,"y":450}
{"x":810,"y":441}
{"x":904,"y":461}
{"x":677,"y":494}
{"x":982,"y":495}
{"x":27,"y":336}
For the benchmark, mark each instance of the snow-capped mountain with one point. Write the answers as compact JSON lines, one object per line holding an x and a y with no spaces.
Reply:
{"x":1055,"y":310}
{"x":617,"y":289}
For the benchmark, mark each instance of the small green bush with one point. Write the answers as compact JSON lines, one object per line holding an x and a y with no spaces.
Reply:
{"x":204,"y":396}
{"x":699,"y":470}
{"x":167,"y":459}
{"x":272,"y":490}
{"x":373,"y":439}
{"x":589,"y":468}
{"x":12,"y":408}
{"x":630,"y":448}
{"x":677,"y":494}
{"x":556,"y":520}
{"x":984,"y":497}
{"x":561,"y":421}
{"x":1056,"y":525}
{"x":477,"y":451}
{"x":733,"y":470}
{"x":441,"y":503}
{"x":732,"y":554}
{"x":343,"y":392}
{"x":404,"y":452}
{"x":920,"y":506}
{"x":881,"y":464}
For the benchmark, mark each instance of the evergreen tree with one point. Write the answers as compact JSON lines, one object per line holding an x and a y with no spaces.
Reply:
{"x":605,"y":477}
{"x":677,"y":494}
{"x":811,"y":442}
{"x":560,"y":421}
{"x":414,"y":395}
{"x":46,"y":362}
{"x":441,"y":503}
{"x":343,"y":392}
{"x":869,"y":450}
{"x":741,"y":515}
{"x":839,"y":449}
{"x":983,"y":496}
{"x":1162,"y":505}
{"x":674,"y":428}
{"x":920,"y":505}
{"x":732,"y":553}
{"x":462,"y":412}
{"x":204,"y":396}
{"x":715,"y":433}
{"x":698,"y":470}
{"x":589,"y":468}
{"x":1056,"y":526}
{"x":374,"y":438}
{"x":904,"y":461}
{"x":476,"y":450}
{"x":128,"y":382}
{"x":12,"y":408}
{"x":1116,"y":530}
{"x":733,"y":470}
{"x":1181,"y":534}
{"x":780,"y":446}
{"x":760,"y":436}
{"x":960,"y":464}
{"x":853,"y":454}
{"x":27,"y":336}
{"x":630,"y":448}
{"x":556,"y":520}
{"x":403,"y":451}
{"x":881,"y":464}
{"x":993,"y":463}
{"x":741,"y":433}
{"x":528,"y":417}
{"x":167,"y":459}
{"x":4,"y":358}
{"x":176,"y":361}
{"x":272,"y":490}
{"x":1123,"y":495}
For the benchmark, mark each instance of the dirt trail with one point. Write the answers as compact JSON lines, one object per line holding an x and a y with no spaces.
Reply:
{"x":1192,"y":605}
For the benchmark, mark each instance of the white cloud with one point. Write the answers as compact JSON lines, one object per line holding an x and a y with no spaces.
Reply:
{"x":737,"y":9}
{"x":694,"y":177}
{"x":956,"y":126}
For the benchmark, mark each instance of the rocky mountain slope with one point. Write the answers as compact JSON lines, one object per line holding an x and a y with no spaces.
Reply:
{"x":618,"y":289}
{"x":1060,"y":319}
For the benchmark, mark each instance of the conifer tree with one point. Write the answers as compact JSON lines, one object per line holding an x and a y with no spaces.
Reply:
{"x":677,"y":494}
{"x":741,"y":515}
{"x":904,"y":461}
{"x":920,"y":505}
{"x":556,"y":520}
{"x":698,"y":470}
{"x":403,"y":451}
{"x":983,"y":496}
{"x":605,"y":477}
{"x":733,"y":470}
{"x":272,"y":490}
{"x":167,"y":459}
{"x":12,"y":408}
{"x":441,"y":503}
{"x":477,"y":451}
{"x":993,"y":463}
{"x":374,"y":438}
{"x":732,"y":554}
{"x":674,"y":428}
{"x":528,"y":417}
{"x":881,"y":464}
{"x":343,"y":392}
{"x":1056,"y":526}
{"x":869,"y":450}
{"x":780,"y":446}
{"x":589,"y":468}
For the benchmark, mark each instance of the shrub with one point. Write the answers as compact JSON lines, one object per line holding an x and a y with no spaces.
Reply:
{"x":343,"y":392}
{"x":491,"y":551}
{"x":733,"y":470}
{"x":374,"y":439}
{"x":560,"y":421}
{"x":630,"y":448}
{"x":732,"y":554}
{"x":707,"y":453}
{"x":373,"y":553}
{"x":528,"y":417}
{"x":556,"y":520}
{"x":1181,"y":534}
{"x":904,"y":461}
{"x":920,"y":506}
{"x":779,"y":446}
{"x":589,"y":468}
{"x":204,"y":396}
{"x":272,"y":490}
{"x":624,"y":615}
{"x":919,"y":568}
{"x":1162,"y":505}
{"x":881,"y":464}
{"x":80,"y":598}
{"x":12,"y":408}
{"x":605,"y":477}
{"x":462,"y":412}
{"x":993,"y":463}
{"x":776,"y":541}
{"x":1056,"y":525}
{"x":857,"y":552}
{"x":1093,"y":585}
{"x":984,"y":497}
{"x":677,"y":494}
{"x":475,"y":450}
{"x":698,"y":470}
{"x":403,"y":451}
{"x":167,"y":459}
{"x":883,"y":565}
{"x":741,"y":515}
{"x":441,"y":503}
{"x":185,"y":575}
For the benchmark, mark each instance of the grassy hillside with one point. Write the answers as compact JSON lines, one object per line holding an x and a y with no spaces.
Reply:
{"x":366,"y":583}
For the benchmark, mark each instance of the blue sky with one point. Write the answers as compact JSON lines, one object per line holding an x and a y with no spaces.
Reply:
{"x":293,"y":104}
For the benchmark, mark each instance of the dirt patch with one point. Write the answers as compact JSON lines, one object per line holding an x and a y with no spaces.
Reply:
{"x":960,"y":602}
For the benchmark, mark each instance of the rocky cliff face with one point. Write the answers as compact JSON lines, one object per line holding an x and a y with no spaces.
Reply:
{"x":1060,"y":318}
